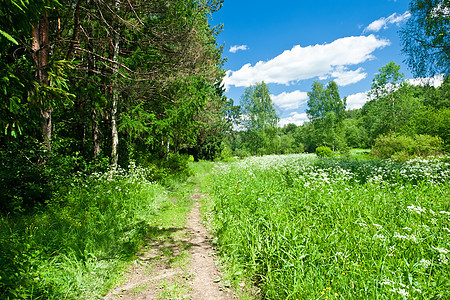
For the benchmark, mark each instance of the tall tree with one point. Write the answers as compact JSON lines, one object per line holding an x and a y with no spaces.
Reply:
{"x":384,"y":86}
{"x":259,"y":117}
{"x":257,"y":108}
{"x":426,"y":37}
{"x":326,"y":110}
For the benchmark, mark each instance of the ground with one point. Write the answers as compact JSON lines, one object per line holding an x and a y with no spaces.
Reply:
{"x":178,"y":265}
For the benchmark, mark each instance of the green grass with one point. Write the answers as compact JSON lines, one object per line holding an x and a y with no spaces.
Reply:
{"x":80,"y":244}
{"x":307,"y":228}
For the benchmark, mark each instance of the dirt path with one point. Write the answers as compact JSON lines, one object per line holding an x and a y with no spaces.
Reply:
{"x":179,"y":265}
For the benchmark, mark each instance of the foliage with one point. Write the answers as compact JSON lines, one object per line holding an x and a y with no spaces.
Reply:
{"x":425,"y":38}
{"x":324,"y":151}
{"x":402,"y":147}
{"x":305,"y":228}
{"x":259,"y":118}
{"x":76,"y":246}
{"x":326,"y":111}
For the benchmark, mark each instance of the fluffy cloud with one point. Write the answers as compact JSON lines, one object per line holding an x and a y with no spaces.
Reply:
{"x":321,"y":60}
{"x":344,"y":77}
{"x":291,"y":100}
{"x":435,"y":81}
{"x":294,"y":118}
{"x":236,"y":48}
{"x":383,"y":23}
{"x":356,"y":101}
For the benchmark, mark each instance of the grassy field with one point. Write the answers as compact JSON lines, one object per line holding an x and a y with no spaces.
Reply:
{"x":307,"y":228}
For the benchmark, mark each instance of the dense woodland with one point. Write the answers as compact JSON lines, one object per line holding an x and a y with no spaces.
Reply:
{"x":88,"y":85}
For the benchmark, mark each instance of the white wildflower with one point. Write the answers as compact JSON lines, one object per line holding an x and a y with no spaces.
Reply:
{"x":402,"y":292}
{"x":425,"y":263}
{"x":444,"y":212}
{"x":443,"y":259}
{"x":379,"y":236}
{"x":441,"y":250}
{"x":445,"y":228}
{"x":416,"y":209}
{"x":387,"y":282}
{"x":407,"y":228}
{"x":406,"y":237}
{"x":377,"y":225}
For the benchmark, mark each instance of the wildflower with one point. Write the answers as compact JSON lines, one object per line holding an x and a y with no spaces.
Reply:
{"x":444,"y":212}
{"x":441,"y":250}
{"x":406,"y":237}
{"x":387,"y":282}
{"x":402,"y":292}
{"x":443,"y":259}
{"x":379,"y":236}
{"x":416,"y":209}
{"x":377,"y":225}
{"x":425,"y":263}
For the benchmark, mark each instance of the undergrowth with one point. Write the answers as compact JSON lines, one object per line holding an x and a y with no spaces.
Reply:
{"x":76,"y":246}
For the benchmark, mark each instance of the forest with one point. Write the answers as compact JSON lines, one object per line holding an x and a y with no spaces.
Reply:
{"x":104,"y":105}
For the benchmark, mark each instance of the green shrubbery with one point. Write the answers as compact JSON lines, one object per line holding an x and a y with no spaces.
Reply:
{"x":74,"y":246}
{"x":324,"y":151}
{"x":400,"y":147}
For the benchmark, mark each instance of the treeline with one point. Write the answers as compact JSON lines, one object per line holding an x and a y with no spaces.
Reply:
{"x":396,"y":108}
{"x":90,"y":85}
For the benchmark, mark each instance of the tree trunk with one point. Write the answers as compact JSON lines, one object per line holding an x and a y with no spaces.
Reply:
{"x":168,"y":148}
{"x":115,"y":99}
{"x":39,"y":52}
{"x":95,"y":133}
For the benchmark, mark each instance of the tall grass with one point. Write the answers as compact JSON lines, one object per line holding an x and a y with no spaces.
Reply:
{"x":76,"y":247}
{"x":303,"y":228}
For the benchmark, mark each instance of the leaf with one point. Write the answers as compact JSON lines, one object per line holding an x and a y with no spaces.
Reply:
{"x":10,"y":38}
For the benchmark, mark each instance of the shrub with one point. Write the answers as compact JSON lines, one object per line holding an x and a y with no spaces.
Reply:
{"x":324,"y":151}
{"x":242,"y":152}
{"x":400,"y":147}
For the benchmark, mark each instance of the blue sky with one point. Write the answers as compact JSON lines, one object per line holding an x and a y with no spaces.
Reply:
{"x":290,"y":44}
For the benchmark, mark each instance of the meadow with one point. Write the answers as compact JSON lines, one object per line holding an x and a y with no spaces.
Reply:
{"x":299,"y":227}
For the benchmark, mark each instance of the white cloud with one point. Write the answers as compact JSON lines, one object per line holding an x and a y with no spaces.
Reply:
{"x":295,"y":118}
{"x":356,"y":101}
{"x":344,"y":77}
{"x":382,"y":23}
{"x":302,"y":63}
{"x":289,"y":100}
{"x":435,"y":81}
{"x":236,"y":48}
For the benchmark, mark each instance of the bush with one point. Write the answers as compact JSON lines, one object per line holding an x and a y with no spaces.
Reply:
{"x":242,"y":152}
{"x":400,"y":147}
{"x":324,"y":151}
{"x":74,"y":247}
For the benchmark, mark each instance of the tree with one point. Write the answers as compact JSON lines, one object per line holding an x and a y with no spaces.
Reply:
{"x":259,"y":117}
{"x":426,"y":37}
{"x":385,"y":86}
{"x":326,"y":110}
